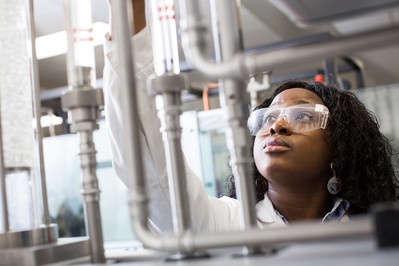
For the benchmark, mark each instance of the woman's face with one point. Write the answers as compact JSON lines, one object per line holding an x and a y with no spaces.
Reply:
{"x":291,"y":158}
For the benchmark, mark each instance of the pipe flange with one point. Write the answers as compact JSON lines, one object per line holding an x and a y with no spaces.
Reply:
{"x":82,"y":97}
{"x":84,"y":126}
{"x":167,"y":83}
{"x":83,"y":114}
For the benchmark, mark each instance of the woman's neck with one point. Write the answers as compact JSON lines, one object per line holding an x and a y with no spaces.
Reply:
{"x":300,"y":205}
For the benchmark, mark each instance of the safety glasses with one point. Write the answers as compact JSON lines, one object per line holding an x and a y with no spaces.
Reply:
{"x":300,"y":118}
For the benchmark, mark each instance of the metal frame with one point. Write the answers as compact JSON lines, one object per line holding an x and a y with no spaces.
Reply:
{"x":233,"y":67}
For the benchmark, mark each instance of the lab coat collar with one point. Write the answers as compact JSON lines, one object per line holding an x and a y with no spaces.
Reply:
{"x":267,"y":215}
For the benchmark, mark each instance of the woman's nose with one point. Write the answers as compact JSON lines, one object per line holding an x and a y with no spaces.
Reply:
{"x":280,"y":126}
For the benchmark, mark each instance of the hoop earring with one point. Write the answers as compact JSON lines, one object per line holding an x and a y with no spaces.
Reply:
{"x":333,"y":184}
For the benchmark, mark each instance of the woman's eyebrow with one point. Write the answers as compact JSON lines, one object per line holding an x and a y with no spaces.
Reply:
{"x":297,"y":102}
{"x":303,"y":102}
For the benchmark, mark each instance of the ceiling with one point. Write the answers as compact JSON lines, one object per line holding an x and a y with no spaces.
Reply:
{"x":264,"y":23}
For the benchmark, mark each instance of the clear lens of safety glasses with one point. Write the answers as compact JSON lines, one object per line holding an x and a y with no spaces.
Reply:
{"x":300,"y":118}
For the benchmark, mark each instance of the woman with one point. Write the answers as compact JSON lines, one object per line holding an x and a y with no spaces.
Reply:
{"x":318,"y":154}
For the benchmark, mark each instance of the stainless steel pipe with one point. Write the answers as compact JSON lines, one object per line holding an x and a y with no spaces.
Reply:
{"x":91,"y":194}
{"x":234,"y":102}
{"x":136,"y":183}
{"x":83,"y":100}
{"x":3,"y":184}
{"x":167,"y":91}
{"x":38,"y":114}
{"x":306,"y":232}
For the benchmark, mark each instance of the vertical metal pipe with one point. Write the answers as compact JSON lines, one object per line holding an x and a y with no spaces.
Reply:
{"x":356,"y":66}
{"x":169,"y":113}
{"x":83,"y":101}
{"x":167,"y":89}
{"x":330,"y":71}
{"x":91,"y":194}
{"x":169,"y":106}
{"x":124,"y":48}
{"x":167,"y":85}
{"x":228,"y":28}
{"x":168,"y":102}
{"x":235,"y":101}
{"x":4,"y":206}
{"x":84,"y":122}
{"x":37,"y":110}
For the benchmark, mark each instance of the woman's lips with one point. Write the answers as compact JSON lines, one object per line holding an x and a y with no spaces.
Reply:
{"x":275,"y":145}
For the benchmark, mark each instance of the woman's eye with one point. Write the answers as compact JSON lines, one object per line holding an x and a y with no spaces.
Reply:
{"x":304,"y":117}
{"x":269,"y":119}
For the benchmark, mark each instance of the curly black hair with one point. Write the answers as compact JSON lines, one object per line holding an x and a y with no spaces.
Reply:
{"x":362,"y":154}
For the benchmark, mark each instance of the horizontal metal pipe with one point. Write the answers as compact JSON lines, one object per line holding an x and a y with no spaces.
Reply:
{"x":189,"y":242}
{"x":333,"y":47}
{"x":243,"y":65}
{"x":305,"y":232}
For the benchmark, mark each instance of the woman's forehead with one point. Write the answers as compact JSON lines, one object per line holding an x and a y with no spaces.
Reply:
{"x":295,"y":96}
